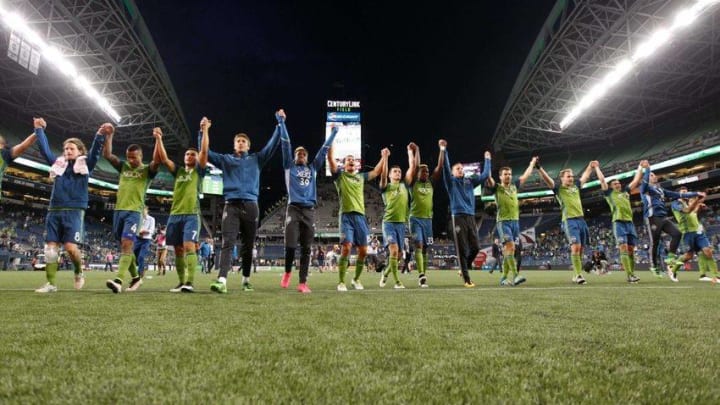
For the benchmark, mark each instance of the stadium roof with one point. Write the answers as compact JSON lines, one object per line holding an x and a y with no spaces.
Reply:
{"x":580,"y":42}
{"x":107,"y":42}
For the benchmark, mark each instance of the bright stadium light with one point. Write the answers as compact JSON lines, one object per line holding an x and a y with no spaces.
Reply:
{"x":18,"y":24}
{"x":659,"y":38}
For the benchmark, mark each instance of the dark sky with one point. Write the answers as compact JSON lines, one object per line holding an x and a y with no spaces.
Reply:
{"x":421,"y":70}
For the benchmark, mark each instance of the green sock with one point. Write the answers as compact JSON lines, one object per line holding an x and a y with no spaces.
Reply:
{"x":670,"y":259}
{"x":505,"y":267}
{"x":191,"y":266}
{"x":359,"y":264}
{"x":124,"y":264}
{"x":180,"y":266}
{"x":711,"y":265}
{"x":625,"y":260}
{"x":426,"y":262}
{"x":50,"y":272}
{"x":576,"y":263}
{"x":133,"y":267}
{"x":511,"y":264}
{"x":393,"y":268}
{"x":420,"y":261}
{"x":678,"y":262}
{"x":342,"y":267}
{"x":631,"y":261}
{"x":77,"y":265}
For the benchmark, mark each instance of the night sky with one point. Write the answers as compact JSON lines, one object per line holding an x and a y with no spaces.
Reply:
{"x":421,"y":71}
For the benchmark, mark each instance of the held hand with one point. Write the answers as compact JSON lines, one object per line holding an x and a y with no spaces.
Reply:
{"x":280,"y":115}
{"x":702,"y":194}
{"x":644,"y":164}
{"x":385,"y":152}
{"x":205,"y":124}
{"x":594,"y":164}
{"x":488,"y":155}
{"x":106,"y":129}
{"x":39,"y":123}
{"x":442,"y":144}
{"x":157,"y":133}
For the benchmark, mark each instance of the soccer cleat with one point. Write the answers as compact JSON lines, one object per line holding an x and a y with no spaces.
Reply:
{"x":114,"y":286}
{"x":469,"y":284}
{"x":135,"y":283}
{"x":383,"y":280}
{"x":399,"y":286}
{"x":187,"y":288}
{"x":633,"y":279}
{"x":656,"y":272}
{"x":47,"y":288}
{"x":519,"y":280}
{"x":247,"y":287}
{"x":342,"y":287}
{"x":504,"y":281}
{"x":285,"y":282}
{"x":579,"y":279}
{"x":704,"y":278}
{"x":177,"y":288}
{"x":423,"y":281}
{"x":218,"y":287}
{"x":79,"y":281}
{"x":356,"y":284}
{"x":673,"y":276}
{"x":303,"y":288}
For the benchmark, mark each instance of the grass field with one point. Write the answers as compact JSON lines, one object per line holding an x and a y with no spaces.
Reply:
{"x":547,"y":341}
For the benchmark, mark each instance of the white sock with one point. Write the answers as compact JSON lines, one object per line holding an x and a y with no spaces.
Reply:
{"x":245,"y":279}
{"x":221,"y":279}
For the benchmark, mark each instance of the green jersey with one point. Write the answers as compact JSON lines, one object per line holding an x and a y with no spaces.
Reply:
{"x":421,"y":203}
{"x":569,"y":199}
{"x":687,"y":221}
{"x":5,"y":158}
{"x":186,"y":193}
{"x":506,"y":198}
{"x":350,"y":188}
{"x":619,"y":202}
{"x":132,"y":186}
{"x":395,"y":196}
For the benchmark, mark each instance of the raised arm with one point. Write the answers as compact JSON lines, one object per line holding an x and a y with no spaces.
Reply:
{"x":332,"y":164}
{"x":320,"y":156}
{"x":523,"y":178}
{"x":205,"y":125}
{"x":638,"y":176}
{"x":586,"y":173}
{"x":107,"y":152}
{"x":20,"y":148}
{"x":376,"y":171}
{"x":546,"y":177}
{"x":447,"y":171}
{"x":600,"y":176}
{"x":285,"y":145}
{"x":411,"y":172}
{"x":162,"y":156}
{"x":384,"y":169}
{"x":438,"y":171}
{"x":45,"y":151}
{"x":267,"y":151}
{"x":695,"y":205}
{"x":487,"y":169}
{"x":646,"y":176}
{"x":98,"y":144}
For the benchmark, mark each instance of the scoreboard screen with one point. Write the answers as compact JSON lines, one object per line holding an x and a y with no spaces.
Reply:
{"x":345,"y":115}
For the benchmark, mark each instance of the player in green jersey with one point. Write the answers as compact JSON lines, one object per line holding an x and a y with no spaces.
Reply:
{"x":354,"y":229}
{"x":508,"y":217}
{"x":8,"y":154}
{"x":622,"y":217}
{"x":685,"y":212}
{"x":183,"y":226}
{"x":421,"y":209}
{"x":567,"y":193}
{"x":135,"y":177}
{"x":396,"y":197}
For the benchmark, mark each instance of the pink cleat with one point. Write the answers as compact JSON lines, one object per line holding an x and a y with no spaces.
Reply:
{"x":285,"y":282}
{"x":303,"y":288}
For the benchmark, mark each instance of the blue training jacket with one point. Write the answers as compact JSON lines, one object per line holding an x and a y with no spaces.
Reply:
{"x":653,"y":197}
{"x":71,"y":189}
{"x":461,"y":190}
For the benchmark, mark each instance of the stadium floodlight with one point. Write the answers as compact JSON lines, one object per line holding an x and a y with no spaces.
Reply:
{"x":659,"y":38}
{"x":18,"y":24}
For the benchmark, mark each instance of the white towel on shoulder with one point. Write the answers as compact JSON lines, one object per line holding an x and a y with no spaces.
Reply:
{"x":58,"y":168}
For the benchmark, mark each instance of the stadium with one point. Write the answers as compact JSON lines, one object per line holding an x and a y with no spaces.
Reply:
{"x":616,"y":83}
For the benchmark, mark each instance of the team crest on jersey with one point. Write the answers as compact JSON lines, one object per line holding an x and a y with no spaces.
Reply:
{"x":424,"y":190}
{"x":132,"y":174}
{"x":183,"y":178}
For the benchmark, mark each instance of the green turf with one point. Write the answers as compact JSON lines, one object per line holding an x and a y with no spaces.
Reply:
{"x":547,"y":341}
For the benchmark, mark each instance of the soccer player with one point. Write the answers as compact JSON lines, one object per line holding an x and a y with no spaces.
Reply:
{"x":350,"y":185}
{"x":161,"y":252}
{"x":241,"y":187}
{"x":460,"y":189}
{"x":68,"y":201}
{"x":685,"y":212}
{"x":618,"y":198}
{"x":135,"y":177}
{"x":657,"y":220}
{"x":183,"y":226}
{"x":142,"y":243}
{"x":421,"y":210}
{"x":567,"y":193}
{"x":8,"y":154}
{"x":396,"y":197}
{"x":508,"y":218}
{"x":301,"y":183}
